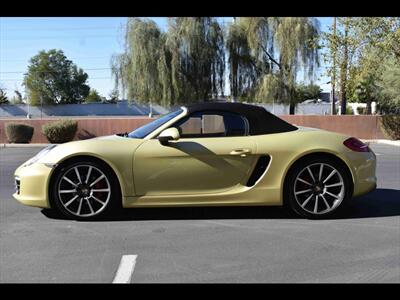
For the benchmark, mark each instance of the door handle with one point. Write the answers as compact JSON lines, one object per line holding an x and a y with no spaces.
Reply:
{"x":241,"y":152}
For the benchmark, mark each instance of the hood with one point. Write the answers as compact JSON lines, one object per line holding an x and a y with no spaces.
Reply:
{"x":110,"y":137}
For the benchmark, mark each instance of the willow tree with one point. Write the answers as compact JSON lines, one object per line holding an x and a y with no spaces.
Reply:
{"x":184,"y":64}
{"x":136,"y":70}
{"x":244,"y":71}
{"x":281,"y":47}
{"x":193,"y":62}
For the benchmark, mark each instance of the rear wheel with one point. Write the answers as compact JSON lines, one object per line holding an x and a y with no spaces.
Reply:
{"x":85,"y":190}
{"x":318,"y":188}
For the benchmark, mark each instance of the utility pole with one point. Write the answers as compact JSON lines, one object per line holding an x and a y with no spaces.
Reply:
{"x":343,"y":70}
{"x":232,"y":76}
{"x":333,"y":80}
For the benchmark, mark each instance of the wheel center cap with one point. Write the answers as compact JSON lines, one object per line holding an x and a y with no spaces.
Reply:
{"x":83,"y":190}
{"x":318,"y":188}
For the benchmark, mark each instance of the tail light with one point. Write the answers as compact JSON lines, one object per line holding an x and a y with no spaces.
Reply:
{"x":356,"y":145}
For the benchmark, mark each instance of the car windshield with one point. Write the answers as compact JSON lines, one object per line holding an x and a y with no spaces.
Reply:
{"x":145,"y":130}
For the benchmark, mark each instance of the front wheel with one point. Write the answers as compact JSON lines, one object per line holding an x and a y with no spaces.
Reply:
{"x":318,"y":188}
{"x":84,"y":190}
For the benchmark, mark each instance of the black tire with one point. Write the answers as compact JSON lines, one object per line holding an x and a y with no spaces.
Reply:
{"x":111,"y":200}
{"x":337,"y":205}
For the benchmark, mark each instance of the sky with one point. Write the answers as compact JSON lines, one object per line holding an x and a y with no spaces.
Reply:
{"x":88,"y":41}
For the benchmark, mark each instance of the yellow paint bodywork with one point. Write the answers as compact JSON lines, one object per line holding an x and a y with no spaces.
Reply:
{"x":197,"y":172}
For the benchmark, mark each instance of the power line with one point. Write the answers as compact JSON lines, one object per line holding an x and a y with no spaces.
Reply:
{"x":88,"y":57}
{"x":56,"y":37}
{"x":58,"y":29}
{"x":16,"y":79}
{"x":86,"y":69}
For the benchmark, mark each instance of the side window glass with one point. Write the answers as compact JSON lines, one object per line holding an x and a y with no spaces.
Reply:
{"x":235,"y":125}
{"x":212,"y":124}
{"x":191,"y":127}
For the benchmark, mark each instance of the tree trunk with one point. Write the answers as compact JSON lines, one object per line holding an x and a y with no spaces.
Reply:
{"x":292,"y":108}
{"x":368,"y":109}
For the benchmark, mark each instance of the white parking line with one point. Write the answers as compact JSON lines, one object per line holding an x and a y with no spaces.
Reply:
{"x":125,"y":269}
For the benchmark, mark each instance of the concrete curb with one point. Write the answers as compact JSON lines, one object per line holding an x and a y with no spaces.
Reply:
{"x":22,"y":145}
{"x":386,"y":142}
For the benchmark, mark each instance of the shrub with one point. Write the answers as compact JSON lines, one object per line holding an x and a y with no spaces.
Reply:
{"x":390,"y":126}
{"x":349,"y":110}
{"x":19,"y":133}
{"x":361,"y":110}
{"x":60,"y":131}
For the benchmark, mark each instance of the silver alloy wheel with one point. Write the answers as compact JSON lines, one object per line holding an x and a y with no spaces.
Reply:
{"x":319,"y":188}
{"x":84,"y":190}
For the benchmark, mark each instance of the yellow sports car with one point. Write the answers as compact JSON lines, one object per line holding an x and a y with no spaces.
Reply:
{"x":211,"y":154}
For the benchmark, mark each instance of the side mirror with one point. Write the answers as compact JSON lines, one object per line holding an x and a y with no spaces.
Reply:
{"x":170,"y":134}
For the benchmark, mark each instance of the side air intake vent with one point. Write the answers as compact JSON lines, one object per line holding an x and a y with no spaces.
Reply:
{"x":259,"y":170}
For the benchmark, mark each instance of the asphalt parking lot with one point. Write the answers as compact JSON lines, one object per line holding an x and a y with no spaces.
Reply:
{"x":205,"y":245}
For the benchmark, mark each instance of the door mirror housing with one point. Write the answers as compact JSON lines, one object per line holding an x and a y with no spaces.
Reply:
{"x":170,"y":134}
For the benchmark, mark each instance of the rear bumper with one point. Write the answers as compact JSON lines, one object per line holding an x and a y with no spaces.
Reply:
{"x":363,"y":167}
{"x":365,"y":187}
{"x":33,"y":185}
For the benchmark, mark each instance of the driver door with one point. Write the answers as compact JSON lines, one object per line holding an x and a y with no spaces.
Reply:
{"x":214,"y":154}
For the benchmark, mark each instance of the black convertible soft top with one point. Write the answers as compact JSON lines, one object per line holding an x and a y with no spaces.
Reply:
{"x":260,"y":120}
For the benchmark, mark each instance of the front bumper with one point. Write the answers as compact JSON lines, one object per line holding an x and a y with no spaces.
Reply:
{"x":33,"y":185}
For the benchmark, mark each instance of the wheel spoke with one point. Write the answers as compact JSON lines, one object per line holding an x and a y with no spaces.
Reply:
{"x":337,"y":197}
{"x":316,"y":204}
{"x":70,"y":181}
{"x":88,"y":174}
{"x":305,"y":202}
{"x":329,"y":176}
{"x":70,"y":201}
{"x":67,"y":191}
{"x":80,"y":206}
{"x":320,"y":171}
{"x":299,"y":179}
{"x":100,"y":190}
{"x":97,"y":180}
{"x":304,"y":191}
{"x":309,"y":171}
{"x":77,"y":174}
{"x":90,"y":206}
{"x":326,"y":203}
{"x":98,"y":200}
{"x":336,"y":184}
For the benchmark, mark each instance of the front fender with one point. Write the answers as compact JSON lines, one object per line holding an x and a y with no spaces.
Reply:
{"x":117,"y":153}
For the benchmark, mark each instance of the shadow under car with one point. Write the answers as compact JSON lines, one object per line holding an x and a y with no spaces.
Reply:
{"x":379,"y":203}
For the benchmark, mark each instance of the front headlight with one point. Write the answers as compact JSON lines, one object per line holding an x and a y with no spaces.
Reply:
{"x":38,"y":156}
